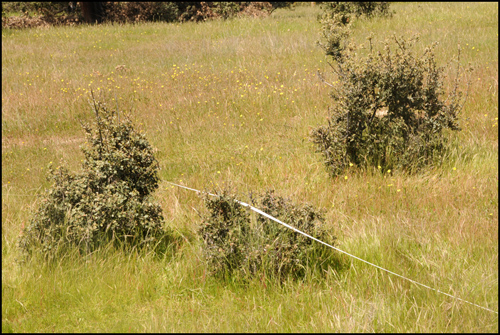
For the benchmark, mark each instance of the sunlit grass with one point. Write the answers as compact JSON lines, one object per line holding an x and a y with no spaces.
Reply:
{"x":232,"y":103}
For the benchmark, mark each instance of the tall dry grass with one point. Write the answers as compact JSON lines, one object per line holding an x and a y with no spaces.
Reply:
{"x":232,"y":103}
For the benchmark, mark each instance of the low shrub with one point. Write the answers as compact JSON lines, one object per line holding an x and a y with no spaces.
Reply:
{"x":389,"y":109}
{"x":286,"y":251}
{"x":110,"y":201}
{"x":225,"y":232}
{"x":236,"y":245}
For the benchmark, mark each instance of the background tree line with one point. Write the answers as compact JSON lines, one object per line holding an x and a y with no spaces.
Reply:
{"x":68,"y":12}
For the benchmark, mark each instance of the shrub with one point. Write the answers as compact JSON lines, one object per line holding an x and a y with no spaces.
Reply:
{"x":335,"y":29}
{"x":123,"y":12}
{"x":225,"y":9}
{"x":180,"y":11}
{"x":202,"y":11}
{"x":288,"y":252}
{"x":389,"y":110}
{"x":225,"y":232}
{"x":349,"y":8}
{"x":282,"y":4}
{"x":57,"y":13}
{"x":109,"y":201}
{"x":39,"y":14}
{"x":234,"y":244}
{"x":336,"y":20}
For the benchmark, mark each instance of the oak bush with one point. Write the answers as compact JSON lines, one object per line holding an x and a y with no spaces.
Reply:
{"x":110,"y":201}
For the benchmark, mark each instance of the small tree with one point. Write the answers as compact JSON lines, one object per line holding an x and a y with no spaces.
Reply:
{"x":389,"y":109}
{"x":109,"y":201}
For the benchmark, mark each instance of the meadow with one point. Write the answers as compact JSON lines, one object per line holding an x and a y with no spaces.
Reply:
{"x":231,"y":104}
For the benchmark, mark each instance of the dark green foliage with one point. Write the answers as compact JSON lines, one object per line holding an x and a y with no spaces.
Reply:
{"x":35,"y":14}
{"x":123,"y":12}
{"x":349,"y":8}
{"x":226,"y":9}
{"x":202,"y":11}
{"x":55,"y":7}
{"x":131,"y":11}
{"x":180,"y":11}
{"x":236,"y":244}
{"x":282,"y":4}
{"x":288,"y":252}
{"x":109,"y":201}
{"x":389,"y":109}
{"x":225,"y":233}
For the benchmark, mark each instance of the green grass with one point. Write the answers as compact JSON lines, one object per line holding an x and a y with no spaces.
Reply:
{"x":232,"y":103}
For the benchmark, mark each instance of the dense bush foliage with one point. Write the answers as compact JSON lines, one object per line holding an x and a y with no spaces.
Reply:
{"x":348,"y":8}
{"x":38,"y":14}
{"x":225,"y":232}
{"x":186,"y":11}
{"x":52,"y":13}
{"x":123,"y":12}
{"x":389,"y":109}
{"x":236,"y":244}
{"x":110,"y":201}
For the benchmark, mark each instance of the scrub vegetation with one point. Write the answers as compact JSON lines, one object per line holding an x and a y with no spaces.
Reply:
{"x":230,"y":105}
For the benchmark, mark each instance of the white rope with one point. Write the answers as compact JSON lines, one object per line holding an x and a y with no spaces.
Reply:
{"x":362,"y":260}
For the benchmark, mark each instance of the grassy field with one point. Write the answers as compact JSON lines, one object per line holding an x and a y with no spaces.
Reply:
{"x":232,"y":103}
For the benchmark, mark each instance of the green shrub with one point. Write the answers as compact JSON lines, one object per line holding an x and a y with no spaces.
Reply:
{"x":335,"y":30}
{"x":336,"y":20}
{"x":180,"y":11}
{"x":225,"y":9}
{"x":59,"y":13}
{"x":389,"y":109}
{"x":288,"y":252}
{"x":349,"y":8}
{"x":234,"y":244}
{"x":282,"y":4}
{"x":38,"y":14}
{"x":225,"y":232}
{"x":124,"y":12}
{"x":110,"y":201}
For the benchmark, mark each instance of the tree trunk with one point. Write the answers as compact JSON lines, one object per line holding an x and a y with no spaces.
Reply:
{"x":92,"y":11}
